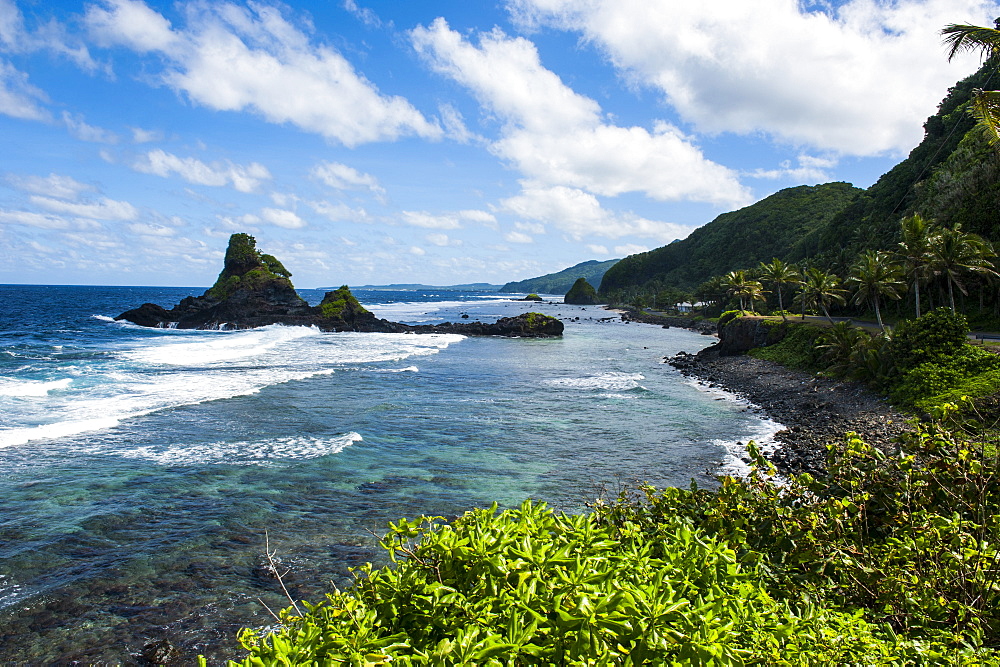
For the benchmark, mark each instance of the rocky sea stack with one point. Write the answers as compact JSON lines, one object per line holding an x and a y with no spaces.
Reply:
{"x":255,"y":290}
{"x":581,"y":293}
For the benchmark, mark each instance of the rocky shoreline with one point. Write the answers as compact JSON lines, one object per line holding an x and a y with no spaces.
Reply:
{"x":815,"y":411}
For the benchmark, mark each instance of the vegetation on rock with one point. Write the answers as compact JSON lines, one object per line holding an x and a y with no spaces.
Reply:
{"x":581,"y":293}
{"x":340,"y":304}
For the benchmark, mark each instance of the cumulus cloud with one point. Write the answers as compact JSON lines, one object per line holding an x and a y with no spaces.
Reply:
{"x":580,"y":214}
{"x":598,"y":249}
{"x":342,"y":177}
{"x":252,"y":59}
{"x":443,"y":240}
{"x":630,"y":249}
{"x":244,"y":178}
{"x":282,"y":218}
{"x":804,"y":76}
{"x":518,"y":237}
{"x":18,"y":98}
{"x":558,"y":137}
{"x":53,"y":185}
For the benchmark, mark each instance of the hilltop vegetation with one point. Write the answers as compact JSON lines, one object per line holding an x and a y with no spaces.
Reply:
{"x":561,"y":281}
{"x":773,"y":227}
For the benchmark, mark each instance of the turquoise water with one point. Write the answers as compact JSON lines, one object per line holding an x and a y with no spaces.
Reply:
{"x":140,"y":469}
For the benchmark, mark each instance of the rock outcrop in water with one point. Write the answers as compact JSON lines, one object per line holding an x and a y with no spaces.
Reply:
{"x":581,"y":293}
{"x":255,"y":290}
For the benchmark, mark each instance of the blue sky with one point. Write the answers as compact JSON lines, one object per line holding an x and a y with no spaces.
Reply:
{"x":435,"y":142}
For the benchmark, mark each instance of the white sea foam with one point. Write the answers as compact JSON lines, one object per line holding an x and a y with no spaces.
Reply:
{"x":762,"y":432}
{"x":171,"y":371}
{"x":612,"y":381}
{"x":243,"y":452}
{"x":27,"y":388}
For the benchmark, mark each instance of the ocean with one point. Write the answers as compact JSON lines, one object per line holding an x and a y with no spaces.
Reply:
{"x":145,"y":472}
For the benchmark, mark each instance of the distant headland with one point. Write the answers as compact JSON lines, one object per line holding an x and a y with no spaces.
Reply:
{"x":255,"y":290}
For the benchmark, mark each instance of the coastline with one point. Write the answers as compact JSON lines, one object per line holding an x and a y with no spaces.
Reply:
{"x":815,"y":411}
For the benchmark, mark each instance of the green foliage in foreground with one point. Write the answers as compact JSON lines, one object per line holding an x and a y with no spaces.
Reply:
{"x":892,"y":560}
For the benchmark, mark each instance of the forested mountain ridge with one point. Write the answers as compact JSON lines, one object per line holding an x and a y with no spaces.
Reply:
{"x":952,"y":177}
{"x":560,"y":282}
{"x":773,"y":227}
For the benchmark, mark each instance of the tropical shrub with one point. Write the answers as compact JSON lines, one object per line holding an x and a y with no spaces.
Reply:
{"x":798,"y":349}
{"x":729,"y":316}
{"x":932,"y":337}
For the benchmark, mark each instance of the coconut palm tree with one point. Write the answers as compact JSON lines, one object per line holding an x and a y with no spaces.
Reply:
{"x":875,"y":275}
{"x":985,"y":103}
{"x":820,"y":288}
{"x":779,"y":273}
{"x":739,"y":284}
{"x":914,"y":250}
{"x":955,"y":253}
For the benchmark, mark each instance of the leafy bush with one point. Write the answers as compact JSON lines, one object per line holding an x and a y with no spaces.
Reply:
{"x":796,"y":350}
{"x":932,"y":337}
{"x":729,"y":316}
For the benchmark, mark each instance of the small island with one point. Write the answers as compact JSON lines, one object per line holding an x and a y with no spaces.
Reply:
{"x":582,"y":293}
{"x":255,"y":290}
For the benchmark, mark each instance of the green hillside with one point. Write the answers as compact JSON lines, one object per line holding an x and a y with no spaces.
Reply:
{"x":773,"y":227}
{"x":561,"y":282}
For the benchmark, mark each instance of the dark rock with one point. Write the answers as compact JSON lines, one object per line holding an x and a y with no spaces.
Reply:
{"x":160,"y":652}
{"x":786,"y":396}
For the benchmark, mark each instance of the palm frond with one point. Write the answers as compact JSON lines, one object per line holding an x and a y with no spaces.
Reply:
{"x":986,"y":110}
{"x":962,"y":38}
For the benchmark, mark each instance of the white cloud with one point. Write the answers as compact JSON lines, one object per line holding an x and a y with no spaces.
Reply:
{"x":18,"y":98}
{"x":429,"y":221}
{"x":580,"y":214}
{"x":144,"y":229}
{"x":342,"y":177}
{"x":237,"y":59}
{"x":339,"y":211}
{"x":50,"y":36}
{"x":556,"y":136}
{"x":141,"y":136}
{"x":244,"y":178}
{"x":418,"y":251}
{"x":85,"y":132}
{"x":598,"y":249}
{"x":805,"y":77}
{"x":54,"y":185}
{"x":532,"y":227}
{"x":32,"y":219}
{"x":630,"y":249}
{"x":443,"y":240}
{"x":518,"y":237}
{"x":282,"y":218}
{"x":809,"y":169}
{"x":103,"y":209}
{"x":482,"y":217}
